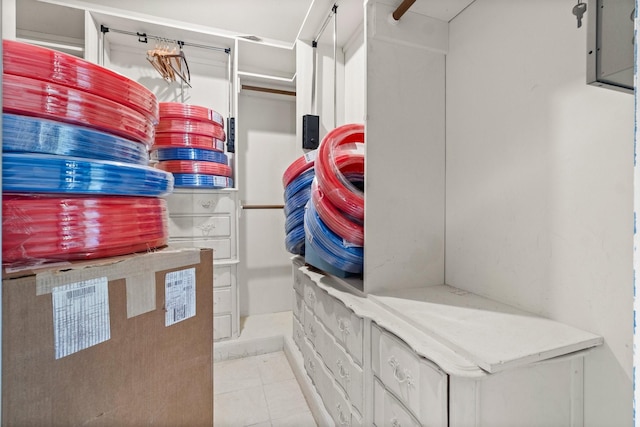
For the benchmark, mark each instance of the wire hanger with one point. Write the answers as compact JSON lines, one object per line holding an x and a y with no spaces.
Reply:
{"x":170,"y":61}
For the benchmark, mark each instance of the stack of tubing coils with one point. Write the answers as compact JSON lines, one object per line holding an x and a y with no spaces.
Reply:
{"x":334,"y":215}
{"x":76,"y":180}
{"x":296,"y":180}
{"x":189,"y":143}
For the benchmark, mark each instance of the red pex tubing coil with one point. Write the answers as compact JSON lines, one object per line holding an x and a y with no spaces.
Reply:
{"x":345,"y":196}
{"x":47,"y":65}
{"x":41,"y":228}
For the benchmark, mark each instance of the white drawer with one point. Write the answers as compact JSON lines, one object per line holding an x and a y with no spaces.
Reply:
{"x":314,"y":331}
{"x":347,"y":328}
{"x":349,"y":376}
{"x":221,"y":326}
{"x":325,"y":344}
{"x":224,"y":276}
{"x":342,"y":412}
{"x":189,"y":226}
{"x":222,"y":301}
{"x":419,"y":384}
{"x":223,"y":248}
{"x":324,"y":384}
{"x":200,"y":201}
{"x":298,"y":306}
{"x":388,"y":411}
{"x":298,"y":334}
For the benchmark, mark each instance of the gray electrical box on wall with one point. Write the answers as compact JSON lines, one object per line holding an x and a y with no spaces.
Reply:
{"x":610,"y":44}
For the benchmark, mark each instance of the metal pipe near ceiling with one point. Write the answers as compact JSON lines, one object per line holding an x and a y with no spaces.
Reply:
{"x":400,"y":10}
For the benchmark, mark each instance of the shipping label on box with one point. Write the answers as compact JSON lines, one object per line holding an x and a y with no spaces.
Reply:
{"x":180,"y":295}
{"x":80,"y":315}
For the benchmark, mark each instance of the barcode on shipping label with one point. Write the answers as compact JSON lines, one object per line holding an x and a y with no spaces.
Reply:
{"x":80,"y":315}
{"x":180,"y":295}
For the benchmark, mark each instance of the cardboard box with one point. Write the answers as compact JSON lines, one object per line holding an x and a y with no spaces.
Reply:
{"x":142,"y":373}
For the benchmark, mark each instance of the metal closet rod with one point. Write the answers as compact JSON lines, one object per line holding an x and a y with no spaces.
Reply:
{"x":402,"y":9}
{"x":143,"y":38}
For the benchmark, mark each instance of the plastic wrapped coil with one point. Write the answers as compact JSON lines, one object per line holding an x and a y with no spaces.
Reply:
{"x":26,"y":60}
{"x":298,"y":200}
{"x":26,"y":134}
{"x":298,"y":166}
{"x":163,"y":154}
{"x":187,"y":140}
{"x":42,"y":173}
{"x":194,"y":167}
{"x":329,"y":246}
{"x":187,"y":111}
{"x":344,"y":195}
{"x":294,"y":241}
{"x":294,"y":219}
{"x":175,"y":125}
{"x":186,"y":180}
{"x":302,"y":181}
{"x":40,"y":229}
{"x":341,"y":225}
{"x":22,"y":95}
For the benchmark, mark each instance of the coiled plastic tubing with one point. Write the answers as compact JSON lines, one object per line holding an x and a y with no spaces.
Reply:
{"x":336,"y":187}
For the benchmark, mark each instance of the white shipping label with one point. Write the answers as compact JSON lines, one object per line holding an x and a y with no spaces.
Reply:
{"x":180,"y":295}
{"x":311,"y":156}
{"x":80,"y":315}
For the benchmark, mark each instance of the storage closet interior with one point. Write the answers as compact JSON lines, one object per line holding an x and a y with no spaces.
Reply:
{"x":493,"y":167}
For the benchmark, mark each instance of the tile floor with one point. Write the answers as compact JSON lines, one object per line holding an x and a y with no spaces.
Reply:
{"x":258,"y":391}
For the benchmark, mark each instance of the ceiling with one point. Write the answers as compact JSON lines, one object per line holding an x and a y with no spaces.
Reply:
{"x":276,"y":22}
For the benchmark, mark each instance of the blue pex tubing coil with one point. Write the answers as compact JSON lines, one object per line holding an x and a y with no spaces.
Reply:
{"x":189,"y":180}
{"x":294,"y":219}
{"x":294,"y":240}
{"x":335,"y":214}
{"x":162,"y":154}
{"x":329,"y":246}
{"x":296,"y":181}
{"x":23,"y":134}
{"x":43,"y":173}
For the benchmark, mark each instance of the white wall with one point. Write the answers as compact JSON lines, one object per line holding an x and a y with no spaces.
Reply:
{"x":266,"y":146}
{"x":540,"y":185}
{"x":354,"y":82}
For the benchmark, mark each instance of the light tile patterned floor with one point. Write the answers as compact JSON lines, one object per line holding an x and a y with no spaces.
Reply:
{"x":258,"y":391}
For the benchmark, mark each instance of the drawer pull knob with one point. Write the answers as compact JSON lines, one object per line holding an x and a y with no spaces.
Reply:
{"x":344,"y":421}
{"x":401,"y":375}
{"x":344,"y":326}
{"x":342,"y":372}
{"x":395,"y":422}
{"x":311,"y":297}
{"x":206,"y":203}
{"x":206,"y":229}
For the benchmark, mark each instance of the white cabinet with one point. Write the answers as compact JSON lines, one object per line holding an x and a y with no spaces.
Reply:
{"x":435,"y":356}
{"x":329,"y":335}
{"x":205,"y":218}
